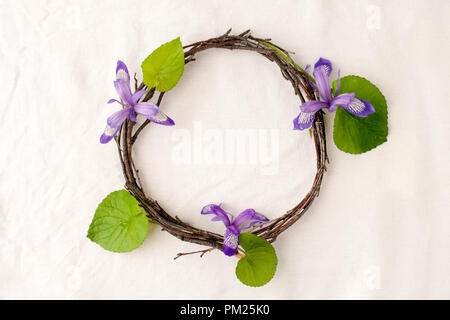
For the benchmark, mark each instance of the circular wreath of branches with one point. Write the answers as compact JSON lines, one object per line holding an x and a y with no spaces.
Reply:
{"x":128,"y":135}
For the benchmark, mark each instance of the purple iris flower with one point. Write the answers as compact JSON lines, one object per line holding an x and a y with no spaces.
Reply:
{"x":130,"y":106}
{"x":321,"y":73}
{"x":245,"y":220}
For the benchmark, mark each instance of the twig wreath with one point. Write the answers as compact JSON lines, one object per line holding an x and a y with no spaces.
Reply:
{"x":120,"y":223}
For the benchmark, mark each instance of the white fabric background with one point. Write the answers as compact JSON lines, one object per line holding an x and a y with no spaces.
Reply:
{"x":380,"y":228}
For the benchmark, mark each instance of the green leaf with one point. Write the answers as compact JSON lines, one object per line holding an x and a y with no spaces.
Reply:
{"x":260,"y":262}
{"x":356,"y":135}
{"x":119,"y":224}
{"x":164,"y":66}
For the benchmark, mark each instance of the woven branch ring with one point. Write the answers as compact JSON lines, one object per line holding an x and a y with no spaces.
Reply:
{"x":128,"y":134}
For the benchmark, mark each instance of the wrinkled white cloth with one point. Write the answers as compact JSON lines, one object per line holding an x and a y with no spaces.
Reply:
{"x":380,"y":228}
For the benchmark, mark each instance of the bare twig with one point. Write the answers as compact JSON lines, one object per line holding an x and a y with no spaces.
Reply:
{"x":202,"y":253}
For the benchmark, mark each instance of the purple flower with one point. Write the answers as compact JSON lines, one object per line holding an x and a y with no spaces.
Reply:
{"x":321,"y":73}
{"x":245,"y":220}
{"x":130,"y":106}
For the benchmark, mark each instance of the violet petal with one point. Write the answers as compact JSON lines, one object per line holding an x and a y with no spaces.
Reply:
{"x":360,"y":107}
{"x":138,"y":95}
{"x":220,"y":214}
{"x":338,"y":87}
{"x":230,"y":242}
{"x":324,"y":64}
{"x":114,"y":100}
{"x":151,"y":111}
{"x":122,"y":72}
{"x":313,"y":106}
{"x":124,"y":91}
{"x":304,"y":120}
{"x":342,"y":100}
{"x":248,"y":218}
{"x":113,"y":124}
{"x":323,"y":84}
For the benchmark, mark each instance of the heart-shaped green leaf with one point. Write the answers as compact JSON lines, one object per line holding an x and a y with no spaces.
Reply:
{"x":163,"y":68}
{"x":260,"y":262}
{"x":119,"y":223}
{"x":353,"y":134}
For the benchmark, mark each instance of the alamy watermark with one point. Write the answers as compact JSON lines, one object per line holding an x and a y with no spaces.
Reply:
{"x":372,"y":277}
{"x":212,"y":146}
{"x":374,"y":17}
